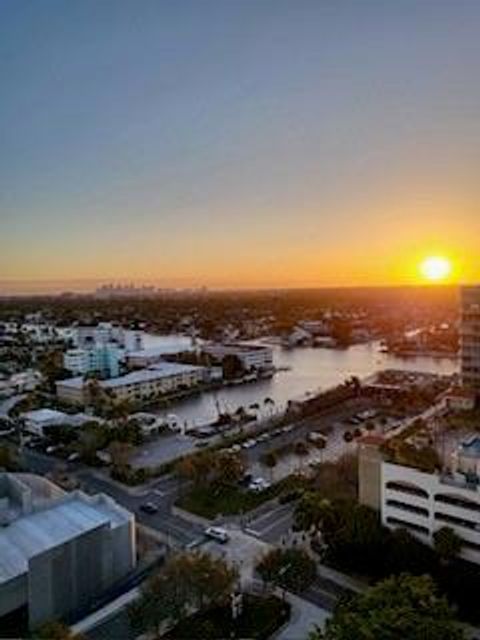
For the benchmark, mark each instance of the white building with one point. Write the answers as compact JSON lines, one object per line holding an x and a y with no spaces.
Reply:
{"x":21,"y":382}
{"x":101,"y":333}
{"x":145,"y":357}
{"x":257,"y":357}
{"x":103,"y":359}
{"x":138,"y":386}
{"x":470,"y":337}
{"x":59,"y":552}
{"x":36,"y":421}
{"x":423,"y":502}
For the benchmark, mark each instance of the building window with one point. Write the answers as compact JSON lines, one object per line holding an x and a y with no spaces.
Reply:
{"x":421,"y":511}
{"x":459,"y":522}
{"x":457,"y":501}
{"x":408,"y":488}
{"x":473,"y":546}
{"x":398,"y":522}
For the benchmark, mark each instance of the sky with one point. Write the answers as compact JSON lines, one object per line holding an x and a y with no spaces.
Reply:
{"x":238,"y":143}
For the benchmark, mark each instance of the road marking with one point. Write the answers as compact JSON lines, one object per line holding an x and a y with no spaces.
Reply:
{"x":276,"y":523}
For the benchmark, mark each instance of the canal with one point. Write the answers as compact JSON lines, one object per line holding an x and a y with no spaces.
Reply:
{"x":306,"y":370}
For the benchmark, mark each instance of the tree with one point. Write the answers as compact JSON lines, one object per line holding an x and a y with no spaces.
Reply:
{"x":186,"y":582}
{"x":270,"y":460}
{"x":447,"y":544}
{"x":339,"y":479}
{"x":292,"y":569}
{"x":270,"y":404}
{"x":229,"y":469}
{"x":8,"y":458}
{"x":93,"y":437}
{"x":311,"y":512}
{"x":197,"y":467}
{"x":120,"y":453}
{"x":401,"y":607}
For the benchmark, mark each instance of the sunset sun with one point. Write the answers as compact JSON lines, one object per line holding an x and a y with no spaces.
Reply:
{"x":436,"y":268}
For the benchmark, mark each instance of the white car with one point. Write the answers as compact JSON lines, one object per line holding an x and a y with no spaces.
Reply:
{"x":259,"y":484}
{"x":235,"y":448}
{"x":218,"y":534}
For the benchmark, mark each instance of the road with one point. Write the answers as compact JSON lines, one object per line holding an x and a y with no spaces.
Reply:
{"x":163,"y":492}
{"x":272,"y":525}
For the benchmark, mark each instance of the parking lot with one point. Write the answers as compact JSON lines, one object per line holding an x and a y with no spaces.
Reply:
{"x":335,"y":422}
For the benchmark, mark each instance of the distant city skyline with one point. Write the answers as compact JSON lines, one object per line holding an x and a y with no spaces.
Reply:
{"x":237,"y":144}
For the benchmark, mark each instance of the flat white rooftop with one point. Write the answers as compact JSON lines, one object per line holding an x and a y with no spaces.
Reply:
{"x":44,"y":415}
{"x":155,"y":372}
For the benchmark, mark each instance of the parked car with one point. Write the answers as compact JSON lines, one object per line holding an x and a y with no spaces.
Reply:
{"x":218,"y":534}
{"x":149,"y":507}
{"x":259,"y":484}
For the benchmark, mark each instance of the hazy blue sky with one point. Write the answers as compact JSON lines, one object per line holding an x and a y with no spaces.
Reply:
{"x":238,"y":142}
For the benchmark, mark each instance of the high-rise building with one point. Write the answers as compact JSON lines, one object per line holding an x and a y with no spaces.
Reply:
{"x":470,"y":337}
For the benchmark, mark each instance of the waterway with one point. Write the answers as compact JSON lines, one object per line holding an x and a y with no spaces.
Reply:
{"x":307,"y":370}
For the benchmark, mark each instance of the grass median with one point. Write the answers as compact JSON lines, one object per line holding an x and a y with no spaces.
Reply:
{"x":211,"y":500}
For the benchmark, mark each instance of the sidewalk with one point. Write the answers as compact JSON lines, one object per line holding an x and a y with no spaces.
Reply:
{"x":305,"y":616}
{"x":106,"y":612}
{"x":342,"y":579}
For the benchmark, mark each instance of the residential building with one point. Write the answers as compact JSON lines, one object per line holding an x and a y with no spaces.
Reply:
{"x":470,"y":338}
{"x":103,"y":359}
{"x":97,"y":334}
{"x":138,"y":386}
{"x":145,"y":357}
{"x":59,"y":551}
{"x":159,"y":379}
{"x":21,"y":382}
{"x":72,"y":390}
{"x":251,"y":356}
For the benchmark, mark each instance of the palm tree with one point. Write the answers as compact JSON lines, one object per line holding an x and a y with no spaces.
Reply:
{"x":270,"y":460}
{"x":270,"y":403}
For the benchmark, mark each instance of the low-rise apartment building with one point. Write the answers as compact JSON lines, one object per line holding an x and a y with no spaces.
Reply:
{"x":258,"y":357}
{"x":58,"y":551}
{"x":138,"y":386}
{"x":145,"y":357}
